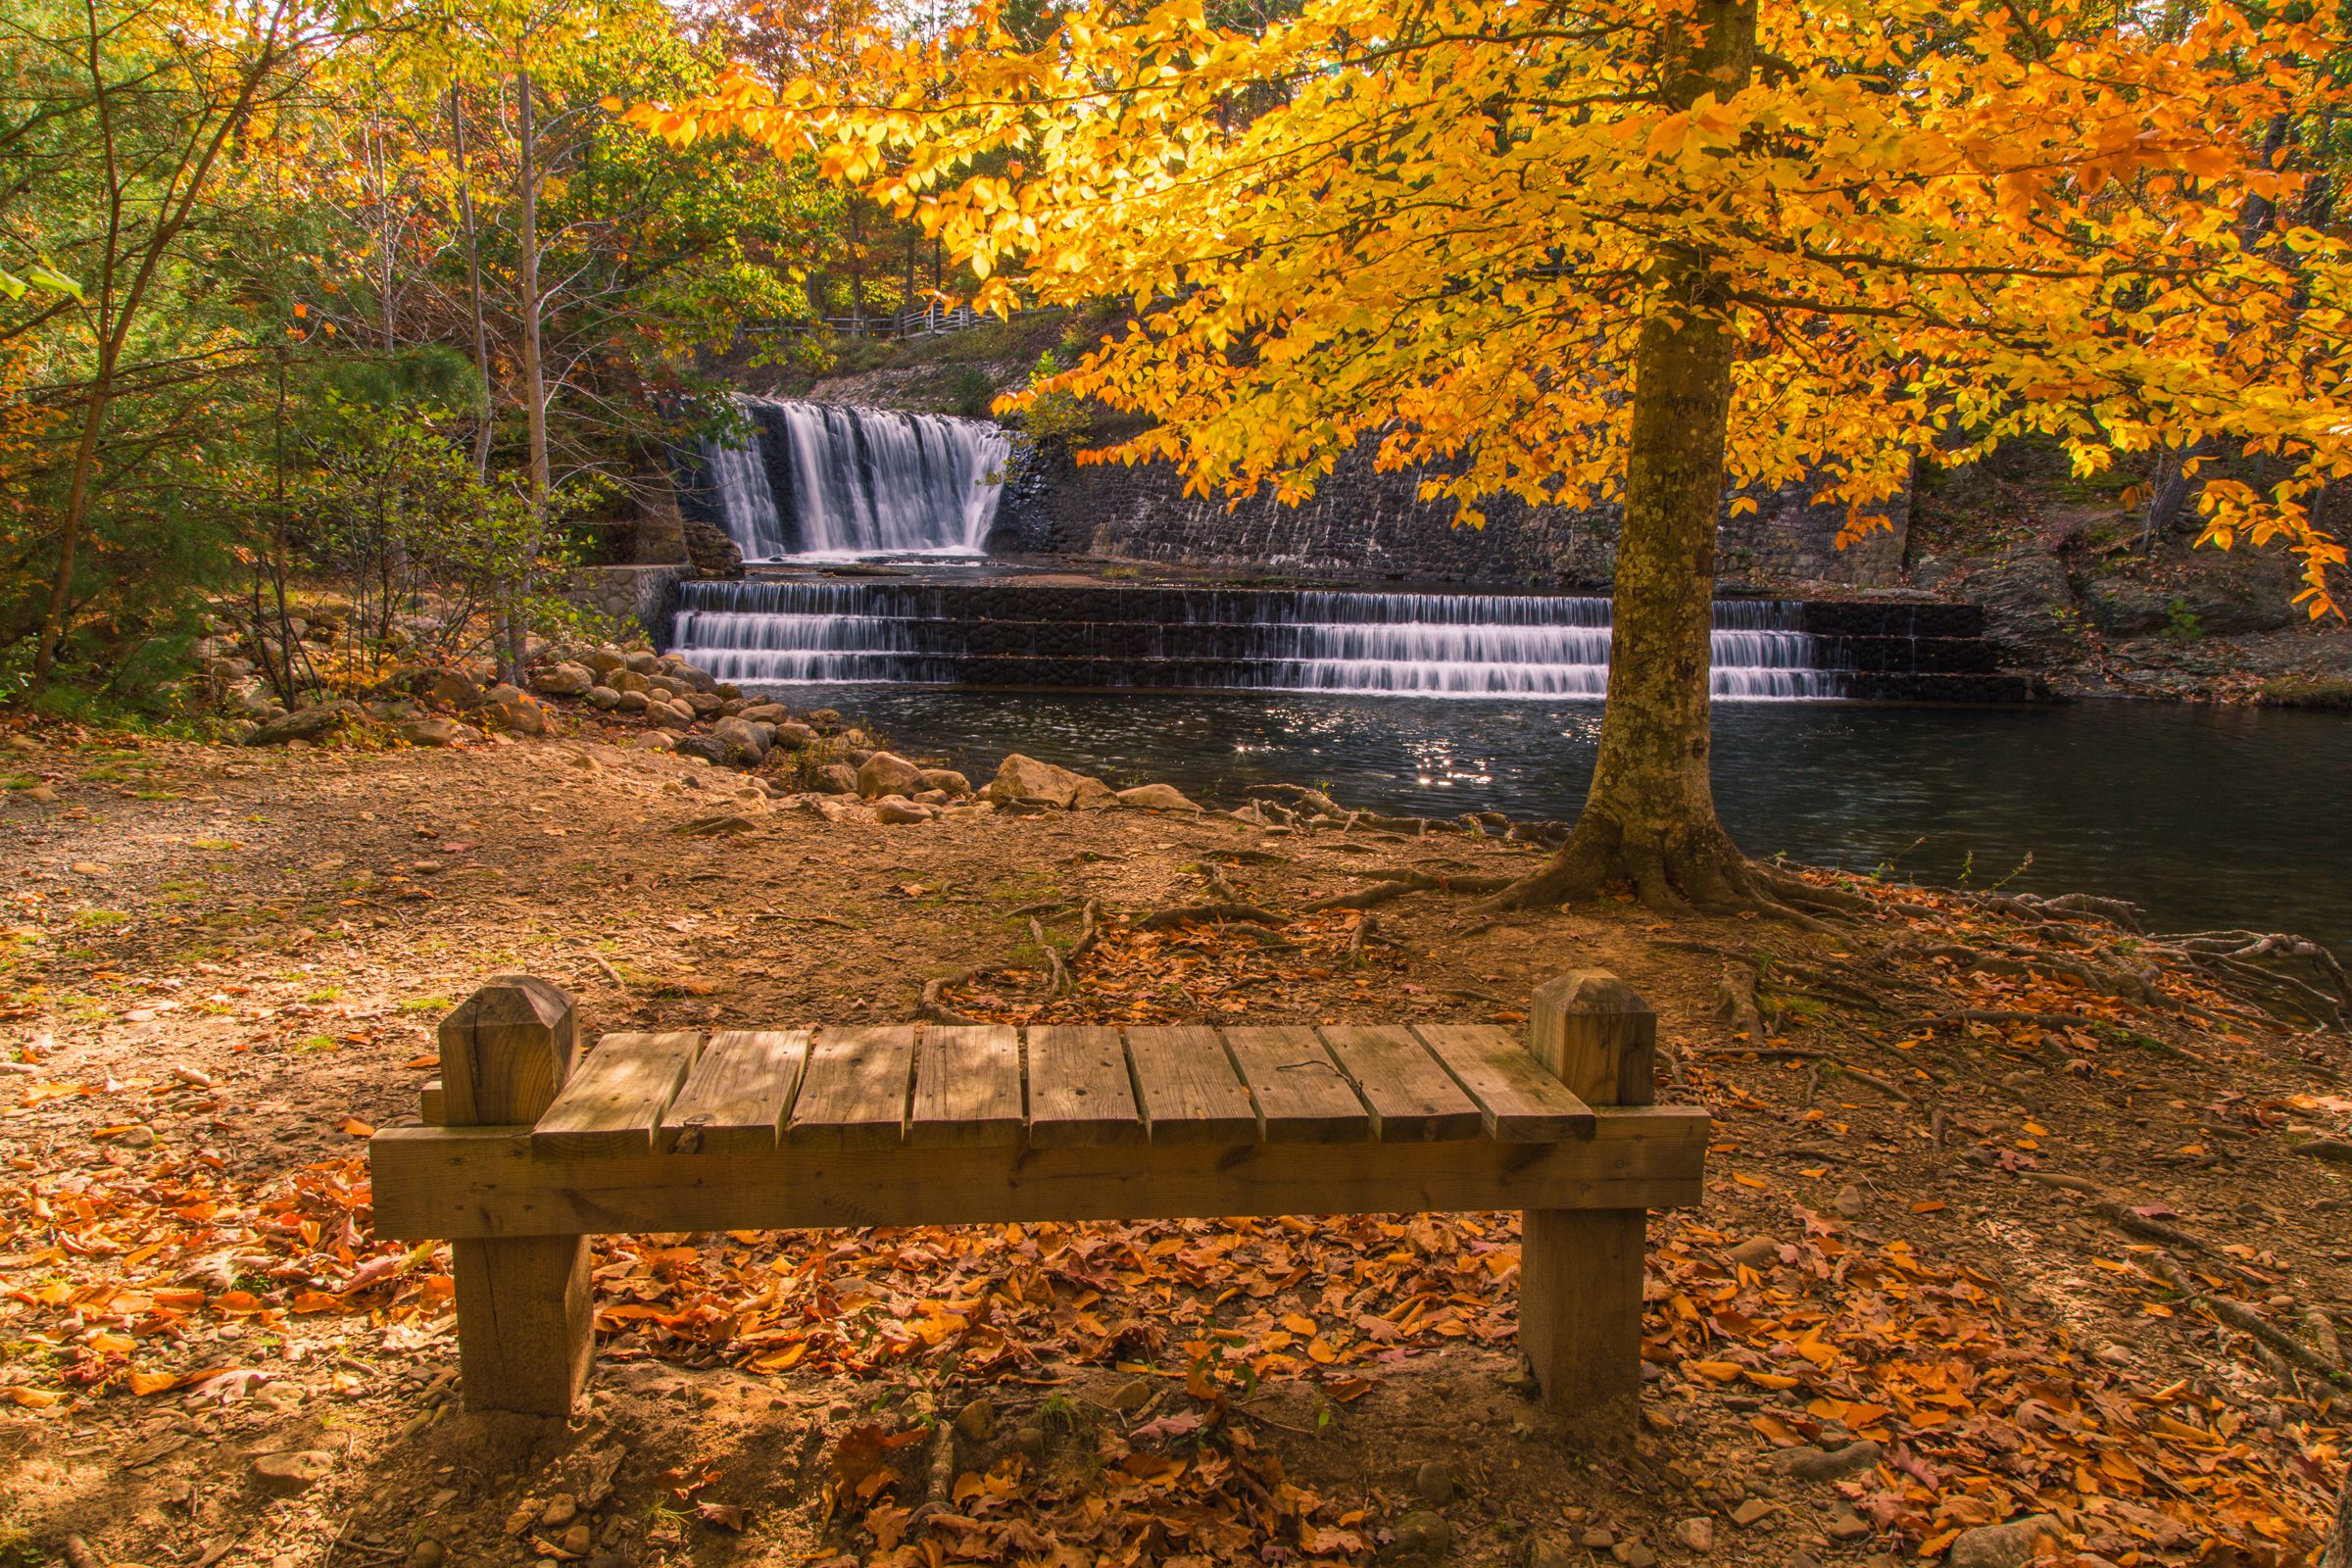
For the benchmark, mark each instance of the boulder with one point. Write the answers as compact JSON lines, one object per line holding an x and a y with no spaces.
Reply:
{"x":564,"y":680}
{"x":836,"y":778}
{"x":454,"y":687}
{"x":1156,"y":798}
{"x":431,"y":732}
{"x":655,"y":740}
{"x":643,"y":663}
{"x":826,"y":719}
{"x":604,"y":697}
{"x":897,"y":809}
{"x":512,"y":708}
{"x":791,"y":736}
{"x":1809,"y":1463}
{"x":948,"y":780}
{"x":770,"y":713}
{"x":1025,"y":778}
{"x":630,"y":702}
{"x":286,"y":1474}
{"x":1422,"y":1534}
{"x":709,"y":748}
{"x":670,"y":715}
{"x":1093,"y":795}
{"x":888,"y":773}
{"x":628,"y":680}
{"x":605,"y":661}
{"x":302,"y":724}
{"x":747,"y":744}
{"x":2005,"y":1546}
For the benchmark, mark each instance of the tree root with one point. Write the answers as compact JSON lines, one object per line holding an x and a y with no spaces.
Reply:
{"x":2247,"y":1321}
{"x":1057,"y":973}
{"x":1397,"y":885}
{"x":933,"y":1008}
{"x":1208,"y":914}
{"x":1089,"y":930}
{"x":1736,"y":1006}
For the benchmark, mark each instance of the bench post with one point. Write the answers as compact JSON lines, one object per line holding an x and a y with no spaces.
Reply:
{"x":524,"y":1327}
{"x":1580,"y":1271}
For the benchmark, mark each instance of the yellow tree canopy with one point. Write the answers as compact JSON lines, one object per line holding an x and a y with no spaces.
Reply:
{"x":1931,"y":225}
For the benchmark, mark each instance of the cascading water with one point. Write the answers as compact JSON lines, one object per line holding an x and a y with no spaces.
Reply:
{"x":1467,"y":644}
{"x":821,"y":481}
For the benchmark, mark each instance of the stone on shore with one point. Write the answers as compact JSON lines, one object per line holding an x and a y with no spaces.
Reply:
{"x":430,"y":732}
{"x":1156,"y":798}
{"x":888,"y":773}
{"x":302,"y":724}
{"x":836,"y":778}
{"x":1025,"y":778}
{"x":564,"y":680}
{"x":948,"y":780}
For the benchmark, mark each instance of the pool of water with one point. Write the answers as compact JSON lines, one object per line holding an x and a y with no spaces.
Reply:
{"x":2208,"y":816}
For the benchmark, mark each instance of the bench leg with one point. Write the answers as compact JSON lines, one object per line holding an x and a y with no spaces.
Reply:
{"x":524,"y":1329}
{"x":1580,"y":1304}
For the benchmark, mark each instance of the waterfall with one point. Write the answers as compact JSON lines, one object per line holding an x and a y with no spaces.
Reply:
{"x":1012,"y":634}
{"x":821,"y":481}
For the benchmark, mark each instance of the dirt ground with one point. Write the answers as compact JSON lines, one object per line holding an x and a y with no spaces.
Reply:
{"x":2059,"y":1248}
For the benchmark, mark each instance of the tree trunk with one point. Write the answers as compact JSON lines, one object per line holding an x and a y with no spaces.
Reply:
{"x":1649,"y":819}
{"x":534,"y":373}
{"x":856,"y":271}
{"x":78,"y":510}
{"x":474,"y":282}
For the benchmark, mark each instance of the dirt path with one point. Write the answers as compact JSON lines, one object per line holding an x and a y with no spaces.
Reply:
{"x":218,"y":967}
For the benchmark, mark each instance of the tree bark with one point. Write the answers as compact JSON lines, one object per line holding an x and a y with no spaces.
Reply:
{"x":1649,"y":819}
{"x":474,"y":282}
{"x":534,"y":371}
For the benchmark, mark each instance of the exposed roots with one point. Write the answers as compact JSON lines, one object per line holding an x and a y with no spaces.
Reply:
{"x":1685,"y":866}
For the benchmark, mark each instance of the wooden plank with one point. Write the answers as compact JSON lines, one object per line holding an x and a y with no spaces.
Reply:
{"x":967,"y":1086}
{"x":1411,"y":1095}
{"x":1079,"y":1092}
{"x":739,"y":1092}
{"x":505,"y":1050}
{"x":614,"y":1098}
{"x":1522,"y":1102}
{"x":853,"y":1089}
{"x":1188,"y":1089}
{"x":432,"y":1107}
{"x":1303,"y":1097}
{"x":1597,"y":1035}
{"x":453,"y":1182}
{"x":1580,"y":1303}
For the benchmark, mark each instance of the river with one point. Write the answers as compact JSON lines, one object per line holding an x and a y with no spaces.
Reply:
{"x":2207,"y":817}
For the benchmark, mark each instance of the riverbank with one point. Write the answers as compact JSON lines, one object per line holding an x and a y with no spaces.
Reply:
{"x":2034,"y":1209}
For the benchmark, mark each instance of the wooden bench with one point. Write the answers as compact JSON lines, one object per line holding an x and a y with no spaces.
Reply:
{"x":531,"y":1148}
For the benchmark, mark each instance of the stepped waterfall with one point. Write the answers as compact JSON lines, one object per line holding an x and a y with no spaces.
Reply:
{"x":1441,"y":645}
{"x":821,"y":481}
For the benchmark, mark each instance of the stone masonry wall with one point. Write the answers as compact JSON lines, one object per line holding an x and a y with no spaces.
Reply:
{"x":644,"y":595}
{"x":1369,"y":525}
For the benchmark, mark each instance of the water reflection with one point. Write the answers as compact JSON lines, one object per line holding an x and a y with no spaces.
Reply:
{"x":2209,"y":816}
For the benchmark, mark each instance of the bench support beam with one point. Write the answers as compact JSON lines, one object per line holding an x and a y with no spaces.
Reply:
{"x":525,"y":1329}
{"x":1580,"y":1270}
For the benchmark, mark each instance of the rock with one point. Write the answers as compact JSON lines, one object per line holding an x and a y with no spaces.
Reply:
{"x":888,"y":773}
{"x":427,"y":1553}
{"x":1849,"y":1202}
{"x":564,"y":680}
{"x":1433,"y":1484}
{"x":826,"y":719}
{"x":723,"y":825}
{"x":770,"y":713}
{"x":1634,"y":1554}
{"x":836,"y":778}
{"x":747,"y":740}
{"x":1030,"y":1439}
{"x":2004,"y":1545}
{"x":604,"y":697}
{"x":1422,"y":1534}
{"x":1550,"y":1551}
{"x":977,"y":1421}
{"x":1757,"y":1251}
{"x":791,"y":735}
{"x":430,"y":732}
{"x":561,"y":1510}
{"x":1025,"y":778}
{"x":628,"y":680}
{"x":1809,"y":1463}
{"x":1596,"y":1539}
{"x":1845,"y":1524}
{"x":1698,"y":1535}
{"x":654,"y":740}
{"x":512,"y":708}
{"x":1156,"y":798}
{"x":451,"y":686}
{"x":577,"y":1540}
{"x":641,"y":663}
{"x":302,"y":724}
{"x":1093,"y":796}
{"x":608,"y":1559}
{"x":137,"y":1138}
{"x":286,"y":1474}
{"x":703,"y":705}
{"x":947,"y":780}
{"x":1132,"y":1395}
{"x":1749,"y":1511}
{"x":897,"y":809}
{"x":932,"y":798}
{"x":605,"y":661}
{"x":632,"y":703}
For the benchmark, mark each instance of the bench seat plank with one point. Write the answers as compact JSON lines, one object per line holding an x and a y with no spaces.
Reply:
{"x":1522,"y":1101}
{"x":614,"y":1098}
{"x":1413,"y":1097}
{"x":967,"y":1086}
{"x":853,"y":1089}
{"x":1303,"y":1097}
{"x":457,"y":1182}
{"x":1189,"y":1089}
{"x":739,"y":1092}
{"x":1079,"y":1092}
